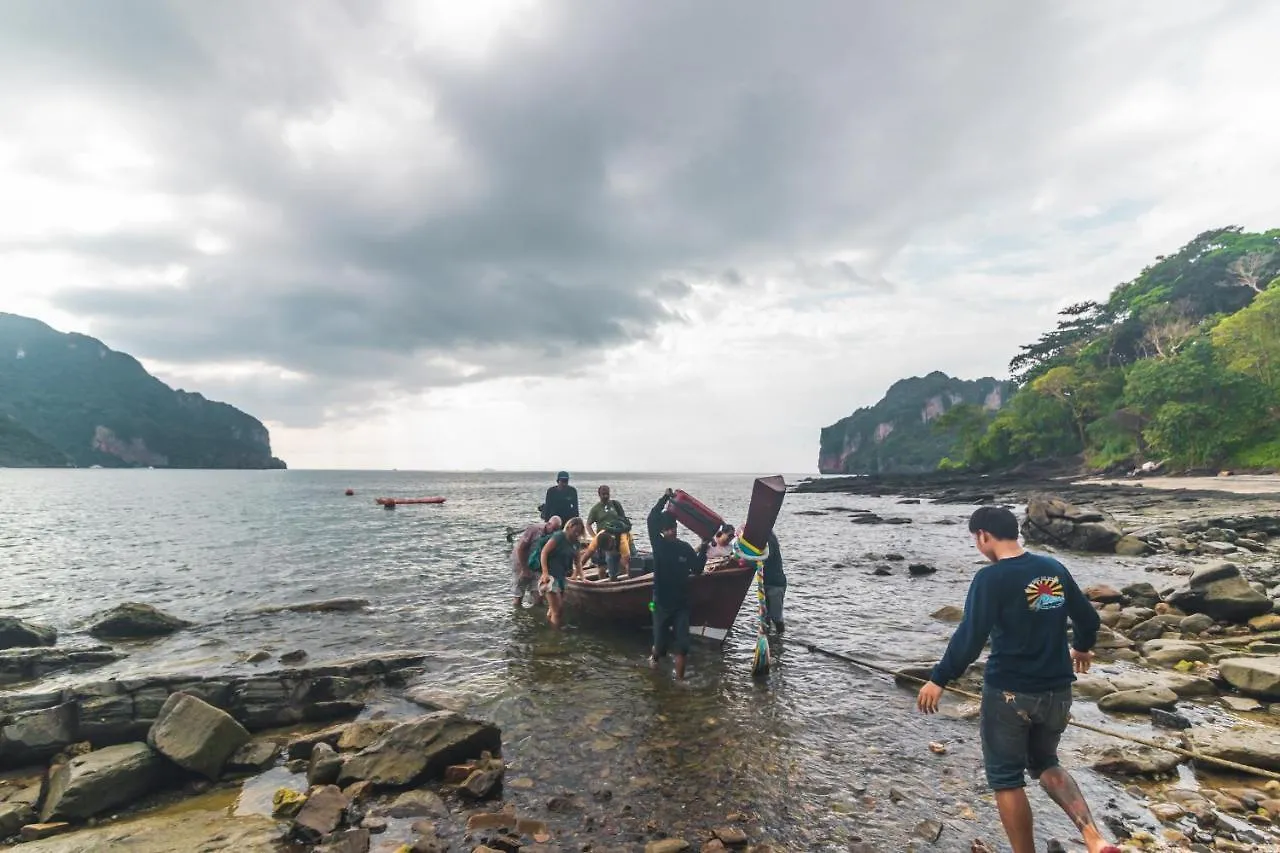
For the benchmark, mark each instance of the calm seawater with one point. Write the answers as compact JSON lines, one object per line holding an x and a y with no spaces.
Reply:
{"x":805,"y":760}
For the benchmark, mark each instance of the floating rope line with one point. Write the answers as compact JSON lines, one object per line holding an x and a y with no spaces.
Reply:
{"x":1177,"y":750}
{"x":744,"y":550}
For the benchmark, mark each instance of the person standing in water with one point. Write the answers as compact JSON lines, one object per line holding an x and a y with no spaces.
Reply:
{"x":775,"y":584}
{"x":524,"y":579}
{"x":559,"y":561}
{"x":562,"y":499}
{"x":608,"y":516}
{"x":1022,"y":601}
{"x":674,"y":562}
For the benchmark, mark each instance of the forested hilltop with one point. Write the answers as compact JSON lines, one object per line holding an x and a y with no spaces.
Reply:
{"x":1180,"y":365}
{"x":68,"y":399}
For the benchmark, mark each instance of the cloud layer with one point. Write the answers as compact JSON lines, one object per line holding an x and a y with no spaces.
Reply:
{"x":322,"y":207}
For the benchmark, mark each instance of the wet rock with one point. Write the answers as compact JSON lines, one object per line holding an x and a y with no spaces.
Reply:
{"x":258,"y":657}
{"x":295,"y":656}
{"x":324,"y":766}
{"x":37,"y":831}
{"x":297,"y":765}
{"x":13,"y":816}
{"x":1169,"y":720}
{"x":195,"y":735}
{"x":1220,"y":591}
{"x":1103,"y":594}
{"x":1168,"y":812}
{"x":286,"y":802}
{"x":1135,"y":761}
{"x":731,"y":836}
{"x":1127,"y":618}
{"x":1266,"y":622}
{"x":1093,"y":686}
{"x":420,"y":748}
{"x":1256,"y":747}
{"x":484,"y":777}
{"x":1171,"y":652}
{"x":31,"y":664}
{"x":15,"y":633}
{"x":1259,"y":677}
{"x":1138,"y":701}
{"x":1242,"y":704}
{"x":1141,"y":594}
{"x":419,"y":803}
{"x":948,"y":613}
{"x":253,"y":757}
{"x":102,"y":780}
{"x":1216,"y":549}
{"x":929,"y":830}
{"x":1132,"y":546}
{"x":135,"y":621}
{"x":363,"y":733}
{"x":921,"y":570}
{"x":1053,"y":521}
{"x":1196,"y":623}
{"x":331,"y":605}
{"x":302,"y":745}
{"x":347,"y":841}
{"x":1155,"y":627}
{"x":667,"y":845}
{"x":1186,"y":686}
{"x":491,"y":820}
{"x":882,"y":571}
{"x":894,"y":558}
{"x":35,"y":735}
{"x":375,"y":825}
{"x":320,"y":814}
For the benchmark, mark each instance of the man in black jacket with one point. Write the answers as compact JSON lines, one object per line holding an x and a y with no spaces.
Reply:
{"x":674,"y":562}
{"x":562,"y":500}
{"x":775,"y":584}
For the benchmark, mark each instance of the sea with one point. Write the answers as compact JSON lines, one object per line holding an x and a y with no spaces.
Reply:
{"x":820,"y":756}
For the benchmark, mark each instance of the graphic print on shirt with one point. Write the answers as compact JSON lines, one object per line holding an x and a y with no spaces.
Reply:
{"x":1045,"y":594}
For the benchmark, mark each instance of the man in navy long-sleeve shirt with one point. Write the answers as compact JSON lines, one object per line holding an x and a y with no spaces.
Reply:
{"x":1022,"y":601}
{"x":674,"y":562}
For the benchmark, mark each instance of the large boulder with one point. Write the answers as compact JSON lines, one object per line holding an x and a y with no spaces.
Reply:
{"x":1184,"y":686}
{"x":1136,"y":761}
{"x":16,"y":634}
{"x":1173,"y":652}
{"x":1257,"y":747}
{"x":1255,"y":676}
{"x":420,"y":749}
{"x":1221,"y":592}
{"x":134,"y":621}
{"x":1138,"y":701}
{"x":101,"y":780}
{"x":195,"y":735}
{"x":36,"y":735}
{"x":1053,"y":521}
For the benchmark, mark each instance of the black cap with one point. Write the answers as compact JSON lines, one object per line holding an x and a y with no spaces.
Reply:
{"x":563,"y":475}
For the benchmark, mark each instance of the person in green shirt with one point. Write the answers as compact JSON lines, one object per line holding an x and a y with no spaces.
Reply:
{"x":608,"y":516}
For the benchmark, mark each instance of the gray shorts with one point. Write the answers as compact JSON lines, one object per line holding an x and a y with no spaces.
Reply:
{"x":773,"y":598}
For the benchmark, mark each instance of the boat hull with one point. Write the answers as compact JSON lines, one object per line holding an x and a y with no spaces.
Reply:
{"x":402,"y":501}
{"x":716,"y":598}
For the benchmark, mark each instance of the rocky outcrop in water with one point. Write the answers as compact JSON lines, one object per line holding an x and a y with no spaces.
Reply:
{"x":17,"y":665}
{"x":16,"y":634}
{"x":134,"y":621}
{"x":1052,"y":521}
{"x":37,"y":725}
{"x":1220,"y":592}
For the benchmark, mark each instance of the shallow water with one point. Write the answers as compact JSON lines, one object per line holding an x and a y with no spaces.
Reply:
{"x":806,"y":760}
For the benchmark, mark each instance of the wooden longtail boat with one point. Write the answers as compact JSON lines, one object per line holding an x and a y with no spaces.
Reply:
{"x":717,"y":595}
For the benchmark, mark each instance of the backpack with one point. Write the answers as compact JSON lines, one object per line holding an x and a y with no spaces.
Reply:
{"x":621,"y":525}
{"x":534,"y":560}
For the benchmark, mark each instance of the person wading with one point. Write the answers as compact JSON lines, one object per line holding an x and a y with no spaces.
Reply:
{"x":674,"y":562}
{"x":562,"y":499}
{"x":524,"y":579}
{"x":1022,"y":602}
{"x":559,"y":560}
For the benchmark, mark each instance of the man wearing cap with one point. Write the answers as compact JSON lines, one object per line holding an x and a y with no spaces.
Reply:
{"x":562,"y":500}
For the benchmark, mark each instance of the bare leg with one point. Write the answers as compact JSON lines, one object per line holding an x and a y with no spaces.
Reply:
{"x":1059,"y":785}
{"x":554,"y":603}
{"x":679,"y":666}
{"x":1015,"y":814}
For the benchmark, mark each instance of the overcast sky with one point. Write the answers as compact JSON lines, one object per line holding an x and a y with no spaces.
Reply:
{"x":646,"y":235}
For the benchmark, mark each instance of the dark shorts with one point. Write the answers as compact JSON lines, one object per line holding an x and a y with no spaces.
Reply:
{"x":773,"y":598}
{"x":1020,"y":733}
{"x":666,"y":623}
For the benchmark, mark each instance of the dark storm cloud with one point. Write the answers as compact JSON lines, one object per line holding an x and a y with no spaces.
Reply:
{"x":594,"y":169}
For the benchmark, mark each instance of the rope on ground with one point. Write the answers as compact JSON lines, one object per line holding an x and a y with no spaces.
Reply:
{"x":1177,"y":750}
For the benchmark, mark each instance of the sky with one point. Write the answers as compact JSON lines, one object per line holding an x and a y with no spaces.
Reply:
{"x":634,"y":235}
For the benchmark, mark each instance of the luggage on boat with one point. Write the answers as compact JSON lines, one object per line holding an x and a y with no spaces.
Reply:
{"x":694,"y":514}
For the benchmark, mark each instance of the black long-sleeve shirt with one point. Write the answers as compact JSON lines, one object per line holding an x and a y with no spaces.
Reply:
{"x":561,"y":502}
{"x":773,"y":573}
{"x":1022,"y":603}
{"x":674,"y":562}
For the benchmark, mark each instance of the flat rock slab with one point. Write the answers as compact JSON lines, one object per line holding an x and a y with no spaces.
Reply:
{"x":1258,"y":677}
{"x":1138,"y":701}
{"x":189,"y":830}
{"x":1258,"y":747}
{"x":102,"y":780}
{"x":1173,"y":652}
{"x":420,"y":749}
{"x":18,"y":665}
{"x":195,"y":735}
{"x":331,"y":605}
{"x":321,"y":814}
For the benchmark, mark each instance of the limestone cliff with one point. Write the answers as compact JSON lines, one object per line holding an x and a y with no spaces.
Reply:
{"x":896,"y":435}
{"x":70,"y":399}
